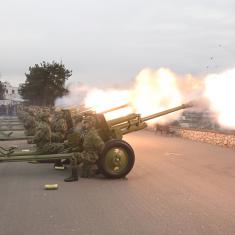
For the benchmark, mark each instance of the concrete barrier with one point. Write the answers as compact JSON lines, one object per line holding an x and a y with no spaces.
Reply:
{"x":224,"y":139}
{"x":207,"y":136}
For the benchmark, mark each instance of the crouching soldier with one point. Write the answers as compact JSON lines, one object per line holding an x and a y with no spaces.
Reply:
{"x":92,"y":147}
{"x":30,"y":123}
{"x":42,"y":138}
{"x":59,"y":128}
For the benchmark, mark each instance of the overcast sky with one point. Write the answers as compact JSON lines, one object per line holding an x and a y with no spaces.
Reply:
{"x":110,"y":41}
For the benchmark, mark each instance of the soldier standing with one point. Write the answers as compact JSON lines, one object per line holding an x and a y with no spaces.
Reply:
{"x":74,"y":140}
{"x":92,"y":147}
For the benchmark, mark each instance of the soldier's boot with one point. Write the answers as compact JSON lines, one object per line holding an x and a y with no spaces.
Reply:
{"x":83,"y":173}
{"x":89,"y":171}
{"x":74,"y":176}
{"x":86,"y":171}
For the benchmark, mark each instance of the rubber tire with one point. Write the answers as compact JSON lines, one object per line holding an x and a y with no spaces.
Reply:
{"x":115,"y":143}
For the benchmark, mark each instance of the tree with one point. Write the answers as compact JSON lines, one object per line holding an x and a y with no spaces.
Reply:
{"x":44,"y":83}
{"x":2,"y":91}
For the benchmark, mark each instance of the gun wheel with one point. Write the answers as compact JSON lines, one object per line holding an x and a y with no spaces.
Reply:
{"x":117,"y":159}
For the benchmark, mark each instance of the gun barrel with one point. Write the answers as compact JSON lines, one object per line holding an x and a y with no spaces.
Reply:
{"x":120,"y":120}
{"x":12,"y":129}
{"x":5,"y":138}
{"x":183,"y":106}
{"x":105,"y":111}
{"x":115,"y":108}
{"x":134,"y":122}
{"x":9,"y":118}
{"x":11,"y":121}
{"x":86,"y":110}
{"x":12,"y":124}
{"x":36,"y":157}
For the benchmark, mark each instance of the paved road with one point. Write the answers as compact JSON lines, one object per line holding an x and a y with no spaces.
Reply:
{"x":176,"y":187}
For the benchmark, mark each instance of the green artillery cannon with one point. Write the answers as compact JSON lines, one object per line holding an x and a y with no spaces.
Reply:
{"x":14,"y":134}
{"x":11,"y":125}
{"x":117,"y":158}
{"x":9,"y":122}
{"x":9,"y":119}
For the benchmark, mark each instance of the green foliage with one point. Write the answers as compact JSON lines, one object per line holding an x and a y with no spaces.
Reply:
{"x":2,"y":90}
{"x":44,"y":83}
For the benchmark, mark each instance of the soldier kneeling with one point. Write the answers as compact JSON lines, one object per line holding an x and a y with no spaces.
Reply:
{"x":92,"y":147}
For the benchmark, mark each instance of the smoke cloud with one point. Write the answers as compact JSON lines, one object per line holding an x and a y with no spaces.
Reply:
{"x":156,"y":90}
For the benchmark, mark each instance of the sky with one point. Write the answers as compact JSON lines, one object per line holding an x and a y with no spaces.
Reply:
{"x":107,"y":42}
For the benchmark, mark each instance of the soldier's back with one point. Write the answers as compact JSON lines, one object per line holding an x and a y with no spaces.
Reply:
{"x":92,"y":141}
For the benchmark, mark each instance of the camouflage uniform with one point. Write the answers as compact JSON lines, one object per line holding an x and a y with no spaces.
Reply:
{"x":59,"y":129}
{"x":30,"y":124}
{"x":42,"y":139}
{"x":74,"y":140}
{"x":92,"y":147}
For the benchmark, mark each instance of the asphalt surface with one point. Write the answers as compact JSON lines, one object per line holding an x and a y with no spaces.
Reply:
{"x":177,"y":186}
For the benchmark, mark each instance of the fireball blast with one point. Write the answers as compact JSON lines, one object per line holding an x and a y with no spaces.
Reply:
{"x":117,"y":158}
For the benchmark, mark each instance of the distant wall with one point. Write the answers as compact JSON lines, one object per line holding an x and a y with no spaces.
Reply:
{"x":210,"y":137}
{"x":223,"y":139}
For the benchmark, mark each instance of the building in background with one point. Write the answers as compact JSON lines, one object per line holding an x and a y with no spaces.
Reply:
{"x":11,"y":93}
{"x":11,"y":99}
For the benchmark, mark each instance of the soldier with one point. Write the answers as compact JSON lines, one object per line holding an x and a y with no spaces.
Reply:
{"x":59,"y":128}
{"x":75,"y":134}
{"x":30,"y":123}
{"x":42,"y":139}
{"x":92,"y":147}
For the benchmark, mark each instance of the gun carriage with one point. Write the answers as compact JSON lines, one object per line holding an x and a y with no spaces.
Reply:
{"x":117,"y":158}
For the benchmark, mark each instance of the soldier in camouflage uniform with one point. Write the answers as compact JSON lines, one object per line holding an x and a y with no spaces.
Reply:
{"x":59,"y":128}
{"x":74,"y":140}
{"x":30,"y":123}
{"x":92,"y":147}
{"x":42,"y":138}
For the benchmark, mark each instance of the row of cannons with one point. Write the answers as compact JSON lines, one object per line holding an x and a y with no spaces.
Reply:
{"x":116,"y":159}
{"x":8,"y":109}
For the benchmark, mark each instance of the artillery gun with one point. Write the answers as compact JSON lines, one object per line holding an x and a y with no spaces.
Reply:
{"x":12,"y":131}
{"x":9,"y":119}
{"x":5,"y":126}
{"x":10,"y":125}
{"x":117,"y":158}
